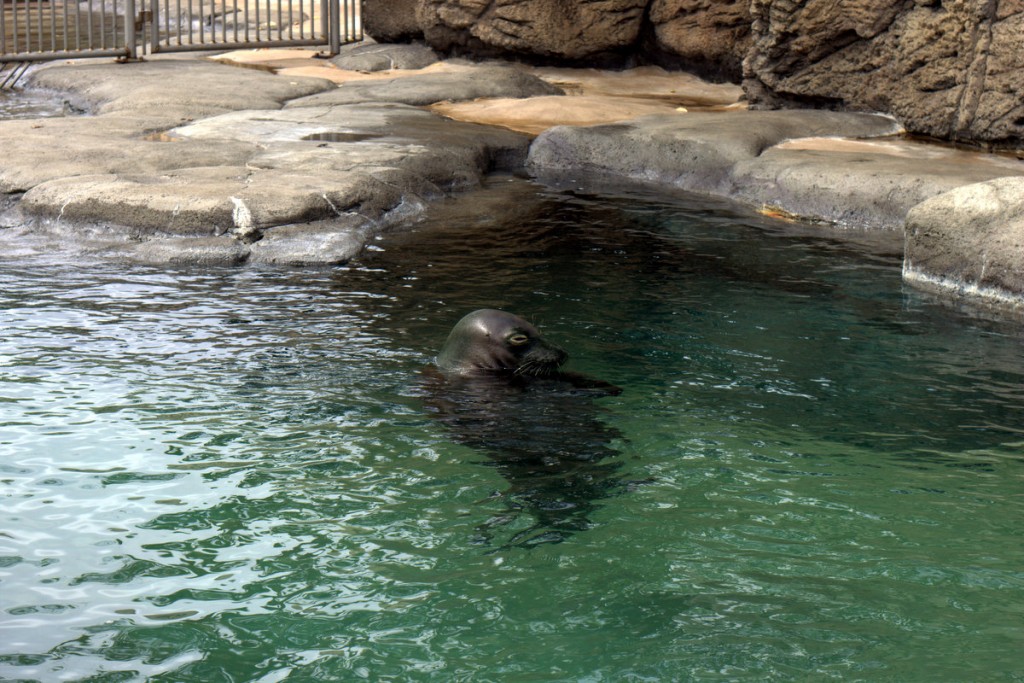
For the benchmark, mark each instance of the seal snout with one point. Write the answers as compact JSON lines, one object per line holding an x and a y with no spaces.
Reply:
{"x":542,"y":358}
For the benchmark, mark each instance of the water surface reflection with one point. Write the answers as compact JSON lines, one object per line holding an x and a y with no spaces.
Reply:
{"x":231,"y":473}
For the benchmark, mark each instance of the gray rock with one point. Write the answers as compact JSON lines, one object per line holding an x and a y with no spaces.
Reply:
{"x":424,"y":89}
{"x":203,"y":251}
{"x":210,"y":201}
{"x":384,"y":57}
{"x":243,"y":172}
{"x":694,"y":151}
{"x":861,"y":189}
{"x":37,"y":151}
{"x":194,"y":202}
{"x":446,"y":153}
{"x":969,"y":242}
{"x":318,"y":243}
{"x":175,"y":88}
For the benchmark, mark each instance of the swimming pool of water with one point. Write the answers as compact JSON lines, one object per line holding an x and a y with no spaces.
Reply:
{"x":232,"y":474}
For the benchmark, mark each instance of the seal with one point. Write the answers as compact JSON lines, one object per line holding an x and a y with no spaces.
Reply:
{"x":498,"y":387}
{"x":489,"y":341}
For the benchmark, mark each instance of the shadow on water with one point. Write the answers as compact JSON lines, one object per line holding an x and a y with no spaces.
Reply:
{"x":244,"y":474}
{"x":544,"y":437}
{"x":775,"y":323}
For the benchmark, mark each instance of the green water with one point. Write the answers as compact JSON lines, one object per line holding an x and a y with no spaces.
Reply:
{"x":229,"y":475}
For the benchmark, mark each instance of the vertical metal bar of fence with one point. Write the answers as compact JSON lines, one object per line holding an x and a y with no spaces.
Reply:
{"x":64,"y":32}
{"x":335,"y":35}
{"x":53,"y":28}
{"x":103,"y":25}
{"x":14,"y":34}
{"x":350,"y":21}
{"x":343,"y":19}
{"x":39,"y":24}
{"x":40,"y":38}
{"x":28,"y":26}
{"x":78,"y":25}
{"x":129,"y":29}
{"x":154,"y":23}
{"x":325,"y":19}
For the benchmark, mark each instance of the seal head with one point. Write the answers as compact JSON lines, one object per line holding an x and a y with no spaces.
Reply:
{"x":489,"y":340}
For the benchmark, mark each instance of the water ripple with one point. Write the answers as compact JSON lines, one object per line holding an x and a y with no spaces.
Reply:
{"x":214,"y":474}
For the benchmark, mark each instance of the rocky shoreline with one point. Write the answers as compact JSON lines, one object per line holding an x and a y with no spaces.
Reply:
{"x":298,"y":160}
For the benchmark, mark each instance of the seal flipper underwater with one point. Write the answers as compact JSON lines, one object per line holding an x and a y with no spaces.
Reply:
{"x":498,"y":387}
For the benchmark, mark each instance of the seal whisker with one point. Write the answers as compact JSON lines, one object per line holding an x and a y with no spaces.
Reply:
{"x":525,"y":369}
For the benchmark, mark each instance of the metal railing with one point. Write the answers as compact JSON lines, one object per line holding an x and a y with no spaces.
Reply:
{"x":178,"y":25}
{"x":38,"y":30}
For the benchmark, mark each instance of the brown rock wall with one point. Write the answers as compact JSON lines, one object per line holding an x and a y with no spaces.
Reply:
{"x":710,"y":37}
{"x":391,"y":21}
{"x":561,"y":29}
{"x":950,"y":69}
{"x":706,"y":36}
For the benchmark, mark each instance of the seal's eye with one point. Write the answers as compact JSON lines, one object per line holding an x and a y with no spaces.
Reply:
{"x":518,"y":339}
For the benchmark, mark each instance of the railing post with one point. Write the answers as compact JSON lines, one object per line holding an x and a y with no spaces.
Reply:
{"x":334,"y":34}
{"x":131,"y":28}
